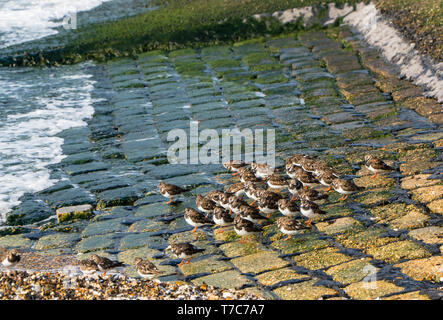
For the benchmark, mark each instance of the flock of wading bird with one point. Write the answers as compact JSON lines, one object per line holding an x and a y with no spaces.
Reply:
{"x":261,"y":184}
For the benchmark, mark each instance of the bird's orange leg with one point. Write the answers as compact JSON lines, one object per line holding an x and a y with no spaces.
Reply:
{"x":289,"y":237}
{"x":242,"y":240}
{"x":329,"y":189}
{"x":170,"y":201}
{"x":308,"y":223}
{"x":195,"y":229}
{"x":253,"y":202}
{"x":374,"y":175}
{"x":181,"y":263}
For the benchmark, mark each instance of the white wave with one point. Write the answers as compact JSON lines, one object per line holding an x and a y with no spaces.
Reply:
{"x":27,"y":140}
{"x":25,"y":20}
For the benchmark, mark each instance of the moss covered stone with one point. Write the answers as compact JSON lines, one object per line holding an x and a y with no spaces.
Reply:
{"x":209,"y":265}
{"x":427,"y":194}
{"x":231,"y":279}
{"x":423,"y":269}
{"x":273,"y":277}
{"x":351,"y":271}
{"x":234,"y":249}
{"x":258,"y":262}
{"x":346,"y":224}
{"x":398,"y":251}
{"x":319,"y":259}
{"x":380,"y":288}
{"x":300,"y":244}
{"x":306,"y":290}
{"x":58,"y":240}
{"x":15,"y":240}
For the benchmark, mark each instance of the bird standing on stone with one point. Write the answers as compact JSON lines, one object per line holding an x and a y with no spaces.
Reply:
{"x":244,"y":228}
{"x":196,"y":218}
{"x":204,"y":204}
{"x":184,"y":250}
{"x":170,"y":191}
{"x":10,"y":258}
{"x":345,"y":187}
{"x":290,"y":226}
{"x":221,"y":218}
{"x":88,"y":266}
{"x":105,"y":264}
{"x":288,"y":208}
{"x":310,"y":210}
{"x":376,"y":165}
{"x":146,"y":269}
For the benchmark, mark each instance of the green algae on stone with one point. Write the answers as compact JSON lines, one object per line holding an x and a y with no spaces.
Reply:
{"x":371,"y":290}
{"x":306,"y":290}
{"x":209,"y":265}
{"x":430,"y":269}
{"x":427,"y":194}
{"x":398,"y":251}
{"x":226,"y":236}
{"x":74,"y":212}
{"x":258,"y":262}
{"x":128,"y":256}
{"x":411,"y":220}
{"x":351,"y":271}
{"x":377,"y":182}
{"x":300,"y":244}
{"x":15,"y":240}
{"x":152,"y":210}
{"x":417,"y":181}
{"x":139,"y":240}
{"x":414,"y":295}
{"x":430,"y":235}
{"x":369,"y":238}
{"x":393,"y":211}
{"x":320,"y":259}
{"x":230,"y":279}
{"x":104,"y":227}
{"x":374,"y":196}
{"x":95,"y":243}
{"x":234,"y":249}
{"x":58,"y":240}
{"x":436,"y":206}
{"x":273,"y":277}
{"x":346,"y":224}
{"x":146,"y":225}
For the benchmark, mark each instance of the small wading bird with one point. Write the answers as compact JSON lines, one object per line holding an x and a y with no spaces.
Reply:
{"x":146,"y":269}
{"x":183,"y":251}
{"x":290,"y":226}
{"x":376,"y":165}
{"x":345,"y":187}
{"x":105,"y":264}
{"x":88,"y":266}
{"x":221,"y":218}
{"x":244,"y":228}
{"x":170,"y":191}
{"x":196,"y":218}
{"x":310,"y":210}
{"x":10,"y":258}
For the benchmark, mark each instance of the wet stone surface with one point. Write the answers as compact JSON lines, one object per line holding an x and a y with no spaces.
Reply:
{"x":321,"y":99}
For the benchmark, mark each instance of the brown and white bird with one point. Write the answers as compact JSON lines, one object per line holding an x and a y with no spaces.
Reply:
{"x":253,"y":192}
{"x":288,"y":208}
{"x":104,"y":264}
{"x":247,"y":176}
{"x":146,"y":269}
{"x":296,"y":159}
{"x":306,"y":178}
{"x":268,"y":205}
{"x":10,"y":258}
{"x":262,"y":170}
{"x":170,"y":191}
{"x":345,"y":187}
{"x":290,"y":226}
{"x":244,"y":228}
{"x":234,"y":165}
{"x":277,"y":182}
{"x":312,"y":195}
{"x":376,"y":165}
{"x":235,"y":204}
{"x":88,"y":266}
{"x":195,"y":218}
{"x":294,"y":187}
{"x":223,"y":200}
{"x":250,"y":213}
{"x":183,"y":250}
{"x":325,"y":177}
{"x":310,"y":210}
{"x":308,"y":164}
{"x":237,"y":189}
{"x":214,"y":196}
{"x":205,"y":205}
{"x":222,"y":218}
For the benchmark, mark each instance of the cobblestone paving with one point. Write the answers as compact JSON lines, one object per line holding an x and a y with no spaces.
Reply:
{"x":326,"y":94}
